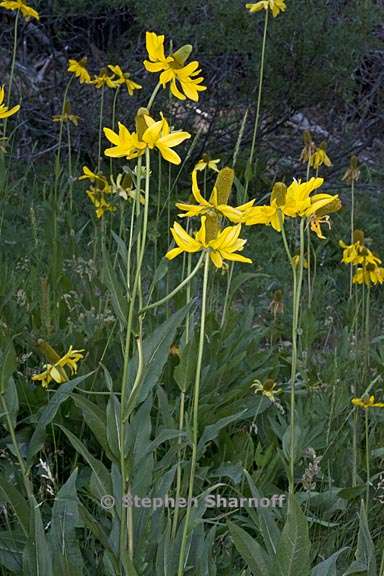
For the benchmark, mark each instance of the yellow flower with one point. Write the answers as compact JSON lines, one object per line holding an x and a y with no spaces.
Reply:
{"x":296,"y":261}
{"x":6,"y":112}
{"x":309,"y":147}
{"x":223,"y":247}
{"x":268,"y":389}
{"x":79,"y":69}
{"x":370,"y":274}
{"x":124,"y":78}
{"x":98,"y":191}
{"x":212,"y":205}
{"x":358,"y":254}
{"x":67,"y":116}
{"x":105,"y":79}
{"x":270,"y":215}
{"x":276,"y":6}
{"x":26,"y":10}
{"x":367,"y":402}
{"x":299,"y":201}
{"x":205,"y":163}
{"x":184,"y":80}
{"x":93,"y":177}
{"x":320,"y":157}
{"x":56,"y":372}
{"x":150,"y":134}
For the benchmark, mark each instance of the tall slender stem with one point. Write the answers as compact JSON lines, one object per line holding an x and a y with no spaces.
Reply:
{"x":352,"y":233}
{"x":12,"y":74}
{"x":259,"y":95}
{"x":125,"y":384}
{"x":368,"y":479}
{"x":182,"y":557}
{"x":100,"y":128}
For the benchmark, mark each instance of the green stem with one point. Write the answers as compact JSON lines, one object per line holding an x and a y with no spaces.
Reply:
{"x":70,"y":167}
{"x":352,"y":233}
{"x":182,"y":557}
{"x":367,"y":457}
{"x":153,"y":96}
{"x":177,"y":289}
{"x":12,"y":74}
{"x":260,"y":91}
{"x":117,"y":91}
{"x":125,"y":384}
{"x":100,"y":128}
{"x":227,"y":293}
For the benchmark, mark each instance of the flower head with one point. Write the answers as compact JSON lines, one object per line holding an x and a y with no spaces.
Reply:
{"x":270,"y":215}
{"x":309,"y":147}
{"x":352,"y":174}
{"x":320,"y":157}
{"x":124,"y":78}
{"x":357,"y":253}
{"x":105,"y":78}
{"x":370,"y":274}
{"x":216,"y":203}
{"x":98,"y":191}
{"x":224,"y":246}
{"x":23,"y":7}
{"x":206,"y":163}
{"x":79,"y":69}
{"x":268,"y":388}
{"x":6,"y":112}
{"x":276,"y":6}
{"x":183,"y":78}
{"x":367,"y":402}
{"x":56,"y":372}
{"x":149,"y":134}
{"x":66,"y":115}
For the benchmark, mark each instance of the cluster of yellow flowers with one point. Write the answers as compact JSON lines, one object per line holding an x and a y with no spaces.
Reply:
{"x":314,"y":155}
{"x":368,"y":269}
{"x":111,"y":77}
{"x":56,"y":372}
{"x":275,"y":6}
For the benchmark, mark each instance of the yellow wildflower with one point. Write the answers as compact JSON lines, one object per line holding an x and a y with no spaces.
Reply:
{"x":79,"y":69}
{"x":370,"y":274}
{"x":276,"y":6}
{"x":67,"y":116}
{"x":26,"y":10}
{"x":223,"y":247}
{"x":212,"y":205}
{"x":56,"y":372}
{"x":367,"y":402}
{"x":184,"y":80}
{"x":270,"y":215}
{"x":98,"y":192}
{"x":309,"y":147}
{"x":124,"y":78}
{"x":6,"y":112}
{"x":299,"y":201}
{"x":320,"y":157}
{"x":150,"y":134}
{"x":268,"y":389}
{"x":296,"y":261}
{"x":104,"y":78}
{"x":206,"y":163}
{"x":358,"y":254}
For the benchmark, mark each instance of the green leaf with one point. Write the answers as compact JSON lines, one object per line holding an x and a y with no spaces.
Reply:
{"x":119,"y":301}
{"x":250,"y":550}
{"x":185,"y":371}
{"x":156,"y":352}
{"x":102,"y":476}
{"x":11,"y":495}
{"x":7,"y":361}
{"x":365,"y":552}
{"x":212,"y":431}
{"x":37,"y":559}
{"x":94,"y":417}
{"x":293,"y":550}
{"x":328,"y":567}
{"x":67,"y":558}
{"x":11,"y":551}
{"x":62,"y":393}
{"x":95,"y":527}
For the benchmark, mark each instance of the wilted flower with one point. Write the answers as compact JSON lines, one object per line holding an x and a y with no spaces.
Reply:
{"x":223,"y":247}
{"x":320,"y":157}
{"x":309,"y":147}
{"x":276,"y":6}
{"x":26,"y":10}
{"x":277,"y":303}
{"x":78,"y":68}
{"x":184,"y":79}
{"x":6,"y":112}
{"x":268,"y":388}
{"x":352,"y":173}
